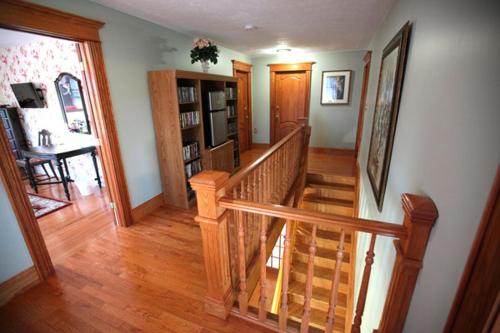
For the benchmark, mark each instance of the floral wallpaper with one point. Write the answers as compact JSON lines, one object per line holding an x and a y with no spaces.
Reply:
{"x":41,"y":63}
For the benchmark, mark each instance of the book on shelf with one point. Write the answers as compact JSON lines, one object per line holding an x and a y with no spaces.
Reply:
{"x":190,"y":151}
{"x":231,"y":128}
{"x":193,"y":168}
{"x":231,"y":111}
{"x":186,"y":94}
{"x":230,"y":93}
{"x":189,"y":119}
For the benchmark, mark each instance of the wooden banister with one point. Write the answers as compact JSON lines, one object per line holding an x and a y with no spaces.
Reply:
{"x":240,"y":216}
{"x":314,"y":217}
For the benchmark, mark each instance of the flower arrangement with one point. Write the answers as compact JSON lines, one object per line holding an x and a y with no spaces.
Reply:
{"x":204,"y":50}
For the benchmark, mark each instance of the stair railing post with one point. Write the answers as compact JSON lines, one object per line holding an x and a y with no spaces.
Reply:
{"x":420,"y":216}
{"x":213,"y":221}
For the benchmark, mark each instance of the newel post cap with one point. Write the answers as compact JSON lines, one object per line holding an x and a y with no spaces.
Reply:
{"x":209,"y":179}
{"x":419,"y":208}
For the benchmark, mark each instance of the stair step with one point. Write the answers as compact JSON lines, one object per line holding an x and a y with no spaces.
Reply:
{"x":329,"y":233}
{"x":317,"y":317}
{"x":331,"y":190}
{"x":322,"y":276}
{"x":328,"y":205}
{"x":324,"y":257}
{"x":320,"y":297}
{"x":330,"y":178}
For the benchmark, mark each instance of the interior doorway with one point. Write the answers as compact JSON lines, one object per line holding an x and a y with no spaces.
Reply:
{"x":49,"y":124}
{"x":290,"y":96}
{"x":243,"y":72}
{"x":29,"y":17}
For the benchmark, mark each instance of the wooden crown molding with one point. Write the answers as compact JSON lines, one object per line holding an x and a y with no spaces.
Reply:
{"x":27,"y":16}
{"x":302,"y":66}
{"x":241,"y":66}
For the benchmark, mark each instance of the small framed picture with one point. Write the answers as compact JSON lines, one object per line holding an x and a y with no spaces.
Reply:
{"x":335,"y":87}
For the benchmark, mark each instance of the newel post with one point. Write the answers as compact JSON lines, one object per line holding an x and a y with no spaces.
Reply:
{"x":420,"y":216}
{"x":214,"y":232}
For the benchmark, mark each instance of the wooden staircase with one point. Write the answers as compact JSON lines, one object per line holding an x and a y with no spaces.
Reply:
{"x":334,"y":194}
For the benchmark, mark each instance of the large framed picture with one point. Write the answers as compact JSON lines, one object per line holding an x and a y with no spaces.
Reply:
{"x":335,"y":87}
{"x":385,"y":117}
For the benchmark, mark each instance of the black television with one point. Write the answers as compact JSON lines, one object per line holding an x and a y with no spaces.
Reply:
{"x":27,"y":96}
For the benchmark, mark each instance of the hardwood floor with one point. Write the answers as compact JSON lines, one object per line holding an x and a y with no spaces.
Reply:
{"x":67,"y":229}
{"x":149,"y":277}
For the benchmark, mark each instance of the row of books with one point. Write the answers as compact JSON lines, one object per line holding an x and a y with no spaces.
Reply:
{"x":231,"y":111}
{"x":189,"y":119}
{"x":186,"y":94}
{"x":193,"y":168}
{"x":230,"y":93}
{"x":231,"y":128}
{"x":190,"y":151}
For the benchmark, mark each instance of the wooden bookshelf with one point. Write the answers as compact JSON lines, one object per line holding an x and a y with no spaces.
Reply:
{"x":172,"y":134}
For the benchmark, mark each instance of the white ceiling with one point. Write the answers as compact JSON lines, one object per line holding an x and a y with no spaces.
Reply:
{"x":312,"y":25}
{"x":10,"y":38}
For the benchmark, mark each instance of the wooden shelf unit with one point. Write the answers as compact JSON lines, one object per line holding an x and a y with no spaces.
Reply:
{"x":171,"y":137}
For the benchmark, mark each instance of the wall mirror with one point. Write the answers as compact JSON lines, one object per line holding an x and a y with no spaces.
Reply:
{"x":69,"y":91}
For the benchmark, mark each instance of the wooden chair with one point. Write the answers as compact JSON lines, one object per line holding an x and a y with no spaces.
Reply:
{"x":44,"y":139}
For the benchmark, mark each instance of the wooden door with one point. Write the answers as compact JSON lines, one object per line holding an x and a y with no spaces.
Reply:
{"x":244,"y":126}
{"x":243,"y":72}
{"x":290,"y":91}
{"x":477,"y":302}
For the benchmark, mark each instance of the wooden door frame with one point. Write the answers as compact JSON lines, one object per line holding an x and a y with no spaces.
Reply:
{"x":474,"y":252}
{"x":362,"y":102}
{"x":28,"y":17}
{"x":239,"y":66}
{"x":281,"y":68}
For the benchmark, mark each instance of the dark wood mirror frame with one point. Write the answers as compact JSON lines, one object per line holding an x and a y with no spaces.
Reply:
{"x":65,"y":108}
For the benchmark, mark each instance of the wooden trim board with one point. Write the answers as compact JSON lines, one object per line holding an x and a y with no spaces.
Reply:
{"x":147,"y":207}
{"x":18,"y":284}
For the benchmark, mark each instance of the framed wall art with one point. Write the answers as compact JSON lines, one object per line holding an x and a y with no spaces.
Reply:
{"x":335,"y":87}
{"x":390,"y":83}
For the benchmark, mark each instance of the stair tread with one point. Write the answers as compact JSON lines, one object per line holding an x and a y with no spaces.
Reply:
{"x":331,"y":186}
{"x":322,"y":252}
{"x":321,"y":272}
{"x":324,"y":233}
{"x":319,"y":294}
{"x":317,"y":317}
{"x":328,"y":201}
{"x":315,"y":177}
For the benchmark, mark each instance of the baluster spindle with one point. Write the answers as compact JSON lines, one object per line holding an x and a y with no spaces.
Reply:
{"x":304,"y":326}
{"x":283,"y":315}
{"x":263,"y":262}
{"x":243,"y":295}
{"x":363,"y":289}
{"x":330,"y":320}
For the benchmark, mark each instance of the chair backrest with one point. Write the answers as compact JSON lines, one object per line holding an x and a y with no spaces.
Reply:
{"x":44,"y":138}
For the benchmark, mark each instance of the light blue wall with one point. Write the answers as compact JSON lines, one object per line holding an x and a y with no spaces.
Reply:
{"x":14,"y":255}
{"x":332,"y":126}
{"x":131,"y":48}
{"x":447,"y":143}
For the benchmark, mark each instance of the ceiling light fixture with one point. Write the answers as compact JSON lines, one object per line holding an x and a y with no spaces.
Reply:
{"x":283,"y":50}
{"x":250,"y":27}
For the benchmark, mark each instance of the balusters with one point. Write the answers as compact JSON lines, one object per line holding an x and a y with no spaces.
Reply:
{"x":330,"y":320}
{"x":304,"y":326}
{"x":363,"y":289}
{"x":263,"y":261}
{"x":243,"y":295}
{"x":283,"y":315}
